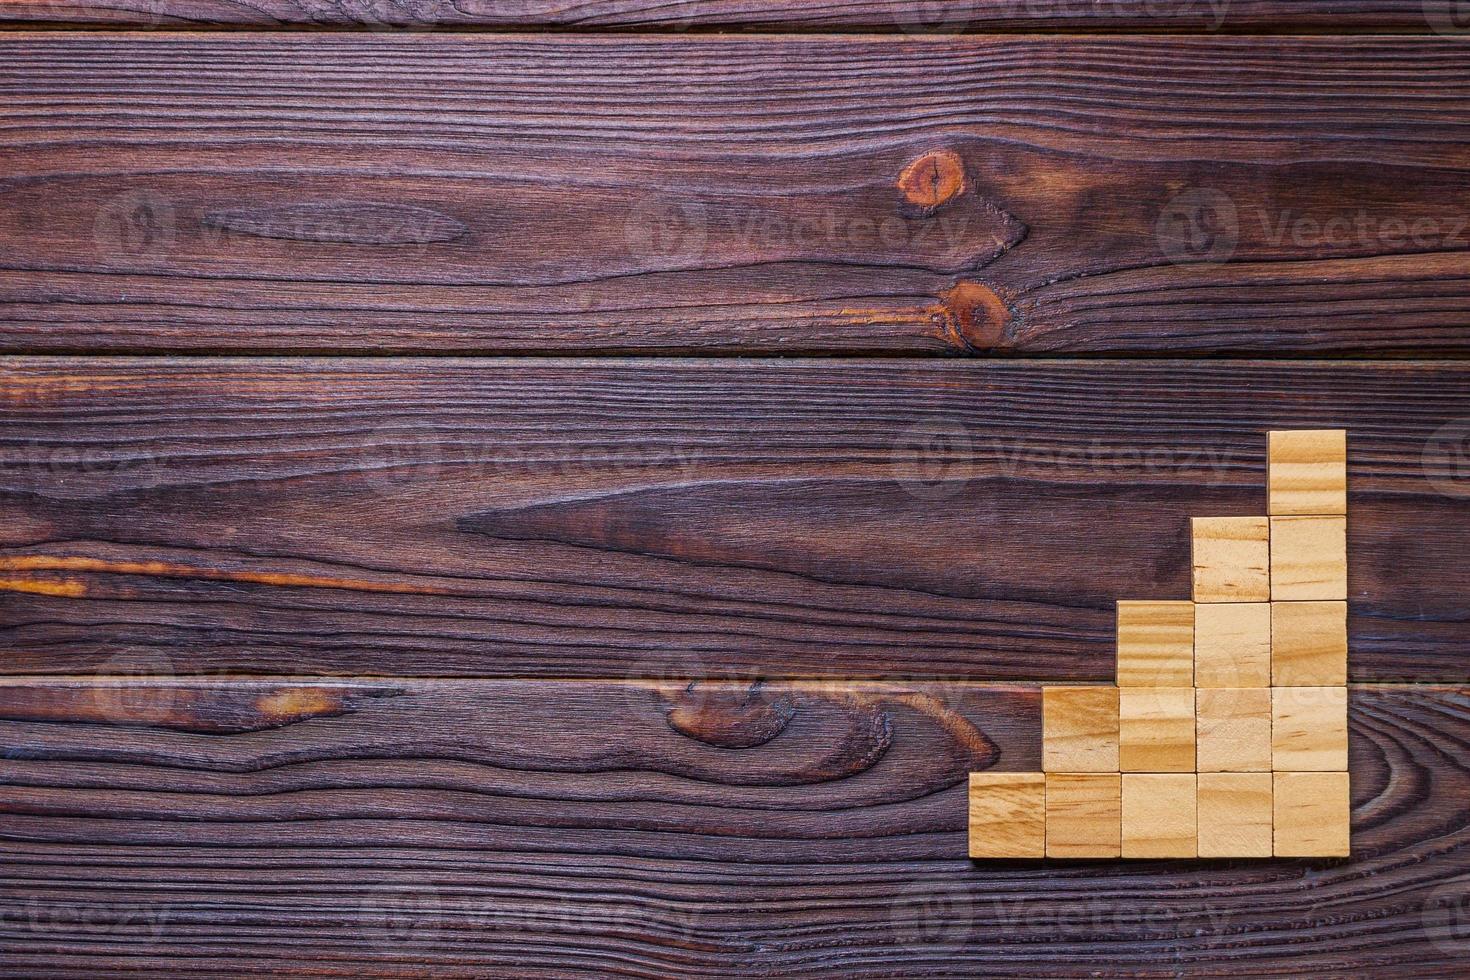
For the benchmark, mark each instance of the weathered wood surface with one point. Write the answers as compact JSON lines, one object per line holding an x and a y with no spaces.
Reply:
{"x":470,"y":828}
{"x":405,"y":193}
{"x":669,"y":518}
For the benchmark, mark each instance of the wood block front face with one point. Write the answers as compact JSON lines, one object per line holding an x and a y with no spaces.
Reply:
{"x":1307,"y":472}
{"x":1084,"y":816}
{"x":1007,"y":815}
{"x":1312,"y":814}
{"x":1309,"y":729}
{"x":1308,"y":644}
{"x":1156,"y":729}
{"x":1158,"y":815}
{"x":1232,"y":644}
{"x":1155,"y":643}
{"x":1234,"y":814}
{"x":1079,"y":729}
{"x":1234,"y":729}
{"x":1232,"y":559}
{"x":1308,"y":558}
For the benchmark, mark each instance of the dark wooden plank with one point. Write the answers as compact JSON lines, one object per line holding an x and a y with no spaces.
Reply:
{"x":545,"y":828}
{"x":316,"y":193}
{"x":649,"y":518}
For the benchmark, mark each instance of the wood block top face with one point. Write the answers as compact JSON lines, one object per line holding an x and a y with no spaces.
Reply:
{"x":1309,"y":729}
{"x":1309,"y":644}
{"x":1308,"y":558}
{"x":1234,"y":729}
{"x":1232,"y":644}
{"x":1312,"y":814}
{"x":1155,"y":643}
{"x":1007,"y":815}
{"x":1307,"y":472}
{"x":1158,"y":815}
{"x":1234,"y":814}
{"x":1079,"y":729}
{"x":1084,"y":815}
{"x":1232,"y":559}
{"x":1156,"y":729}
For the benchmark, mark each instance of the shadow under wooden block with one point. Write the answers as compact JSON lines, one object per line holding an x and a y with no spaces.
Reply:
{"x":1158,"y":815}
{"x":1233,"y":725}
{"x":1309,"y":729}
{"x":1084,"y":815}
{"x":1156,"y":729}
{"x":1306,"y":472}
{"x":1234,"y":814}
{"x":1155,"y":643}
{"x":1079,"y":729}
{"x":1231,"y":559}
{"x":1007,"y":815}
{"x":1232,"y":644}
{"x":1312,"y":814}
{"x":1308,"y":558}
{"x":1309,"y":644}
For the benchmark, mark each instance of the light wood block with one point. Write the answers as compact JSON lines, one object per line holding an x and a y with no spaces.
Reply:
{"x":1155,"y":643}
{"x":1232,"y":559}
{"x":1309,"y":729}
{"x":1233,"y":726}
{"x":1312,"y":814}
{"x":1308,"y":558}
{"x":1234,"y":814}
{"x":1084,"y":815}
{"x":1232,"y":644}
{"x":1309,"y":644}
{"x":1307,"y":472}
{"x":1158,"y":815}
{"x":1156,"y":729}
{"x":1079,"y":729}
{"x":1007,"y":815}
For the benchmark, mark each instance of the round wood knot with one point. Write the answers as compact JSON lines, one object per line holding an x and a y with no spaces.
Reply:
{"x":932,"y":180}
{"x":731,"y":716}
{"x":975,"y":315}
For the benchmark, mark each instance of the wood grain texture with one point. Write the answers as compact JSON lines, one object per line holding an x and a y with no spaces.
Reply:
{"x":497,"y":194}
{"x":690,"y":518}
{"x":560,"y":825}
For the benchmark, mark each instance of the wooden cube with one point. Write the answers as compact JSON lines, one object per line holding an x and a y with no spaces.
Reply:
{"x":1232,"y":644}
{"x":1079,"y":729}
{"x":1156,"y":729}
{"x":1309,"y":729}
{"x":1233,"y":727}
{"x":1232,"y":559}
{"x":1312,"y":814}
{"x":1007,"y":815}
{"x":1308,"y":558}
{"x":1309,"y":644}
{"x":1155,"y":643}
{"x":1084,"y":816}
{"x":1158,"y":815}
{"x":1234,"y":814}
{"x":1307,"y":472}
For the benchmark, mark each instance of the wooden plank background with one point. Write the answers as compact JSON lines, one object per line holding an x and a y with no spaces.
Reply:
{"x":368,"y":611}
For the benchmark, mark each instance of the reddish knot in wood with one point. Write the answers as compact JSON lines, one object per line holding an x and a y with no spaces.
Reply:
{"x":730,"y":716}
{"x":975,"y":316}
{"x":933,"y":180}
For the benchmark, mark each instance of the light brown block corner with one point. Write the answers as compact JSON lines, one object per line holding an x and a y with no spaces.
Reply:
{"x":1007,"y":815}
{"x":1233,"y":727}
{"x":1084,"y":815}
{"x":1232,"y":644}
{"x":1155,"y":643}
{"x":1308,"y":558}
{"x":1312,"y":814}
{"x":1156,"y":729}
{"x":1307,"y":472}
{"x":1234,"y":814}
{"x":1079,"y":729}
{"x":1309,"y":643}
{"x":1309,"y":729}
{"x":1231,"y":559}
{"x":1158,"y":815}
